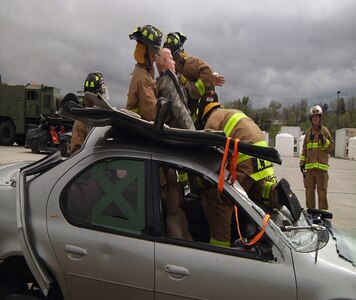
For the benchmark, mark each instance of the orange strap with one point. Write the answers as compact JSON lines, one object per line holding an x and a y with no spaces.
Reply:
{"x":258,"y":235}
{"x":233,"y":165}
{"x":234,"y":159}
{"x":223,"y":164}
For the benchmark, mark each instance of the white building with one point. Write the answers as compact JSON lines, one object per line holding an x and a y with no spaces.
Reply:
{"x":342,"y":137}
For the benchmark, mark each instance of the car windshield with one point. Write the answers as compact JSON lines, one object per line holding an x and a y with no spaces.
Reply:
{"x":300,"y":235}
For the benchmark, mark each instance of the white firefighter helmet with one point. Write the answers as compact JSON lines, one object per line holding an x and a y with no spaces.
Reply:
{"x":316,"y":110}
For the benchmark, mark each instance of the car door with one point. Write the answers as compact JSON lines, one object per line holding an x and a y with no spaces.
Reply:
{"x":183,"y":271}
{"x":97,"y":227}
{"x":199,"y":270}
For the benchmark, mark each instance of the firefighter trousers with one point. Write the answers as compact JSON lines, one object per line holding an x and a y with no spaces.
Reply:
{"x":316,"y":179}
{"x":254,"y":189}
{"x":218,"y":212}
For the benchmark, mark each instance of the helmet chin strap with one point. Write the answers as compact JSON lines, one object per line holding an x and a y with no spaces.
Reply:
{"x":180,"y":55}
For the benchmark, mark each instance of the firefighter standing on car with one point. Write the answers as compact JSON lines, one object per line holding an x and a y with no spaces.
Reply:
{"x":314,"y":159}
{"x":195,"y":74}
{"x":142,"y":94}
{"x":94,"y":83}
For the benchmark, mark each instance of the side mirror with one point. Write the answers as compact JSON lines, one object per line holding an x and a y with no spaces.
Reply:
{"x":314,"y":212}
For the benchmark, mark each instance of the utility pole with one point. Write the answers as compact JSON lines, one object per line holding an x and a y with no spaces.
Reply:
{"x":338,"y":109}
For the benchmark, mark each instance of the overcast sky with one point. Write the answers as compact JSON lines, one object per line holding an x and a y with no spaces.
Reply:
{"x":284,"y":50}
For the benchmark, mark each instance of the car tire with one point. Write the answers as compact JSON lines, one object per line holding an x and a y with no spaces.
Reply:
{"x":9,"y":284}
{"x":20,"y":139}
{"x":13,"y":287}
{"x":7,"y":133}
{"x":35,"y":146}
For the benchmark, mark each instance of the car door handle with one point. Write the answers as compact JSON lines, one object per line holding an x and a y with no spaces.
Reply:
{"x":177,"y":271}
{"x":75,"y":252}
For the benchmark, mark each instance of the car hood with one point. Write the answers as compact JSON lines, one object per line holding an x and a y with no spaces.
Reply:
{"x":345,"y":239}
{"x":8,"y":171}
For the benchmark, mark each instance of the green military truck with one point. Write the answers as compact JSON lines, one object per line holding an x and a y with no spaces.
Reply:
{"x":21,"y":107}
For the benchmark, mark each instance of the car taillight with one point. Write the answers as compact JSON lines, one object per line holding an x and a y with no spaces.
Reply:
{"x":54,"y":134}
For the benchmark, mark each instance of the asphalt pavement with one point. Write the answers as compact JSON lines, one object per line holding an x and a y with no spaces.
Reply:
{"x":341,"y":191}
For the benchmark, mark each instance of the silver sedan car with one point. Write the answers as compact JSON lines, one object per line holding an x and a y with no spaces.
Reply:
{"x":105,"y":223}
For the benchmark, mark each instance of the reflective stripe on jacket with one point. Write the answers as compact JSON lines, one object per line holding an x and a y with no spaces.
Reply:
{"x":237,"y":125}
{"x":315,"y":154}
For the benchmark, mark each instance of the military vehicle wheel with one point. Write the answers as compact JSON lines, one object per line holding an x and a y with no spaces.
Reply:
{"x":35,"y":146}
{"x":7,"y":133}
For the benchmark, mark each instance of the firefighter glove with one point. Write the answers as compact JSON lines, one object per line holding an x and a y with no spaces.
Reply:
{"x":322,"y":138}
{"x":302,"y":169}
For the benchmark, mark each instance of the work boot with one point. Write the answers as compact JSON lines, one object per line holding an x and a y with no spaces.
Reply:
{"x":288,"y":199}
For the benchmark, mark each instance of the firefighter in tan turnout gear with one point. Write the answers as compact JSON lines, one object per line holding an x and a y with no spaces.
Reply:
{"x":255,"y":175}
{"x":142,"y":94}
{"x":195,"y":74}
{"x":317,"y":145}
{"x":94,"y":83}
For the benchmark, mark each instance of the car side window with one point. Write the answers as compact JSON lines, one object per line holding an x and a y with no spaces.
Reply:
{"x":194,"y":211}
{"x":109,"y":195}
{"x":185,"y":212}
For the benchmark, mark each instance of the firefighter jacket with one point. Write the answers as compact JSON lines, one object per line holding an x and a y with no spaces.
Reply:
{"x":198,"y":74}
{"x":79,"y":133}
{"x":317,"y":145}
{"x":237,"y":125}
{"x":142,"y":95}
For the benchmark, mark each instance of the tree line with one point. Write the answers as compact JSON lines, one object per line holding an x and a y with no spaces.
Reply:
{"x":340,"y":113}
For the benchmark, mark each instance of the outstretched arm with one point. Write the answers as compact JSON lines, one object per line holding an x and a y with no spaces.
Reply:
{"x":218,"y":79}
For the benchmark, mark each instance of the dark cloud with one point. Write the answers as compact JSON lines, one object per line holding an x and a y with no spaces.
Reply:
{"x":281,"y":50}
